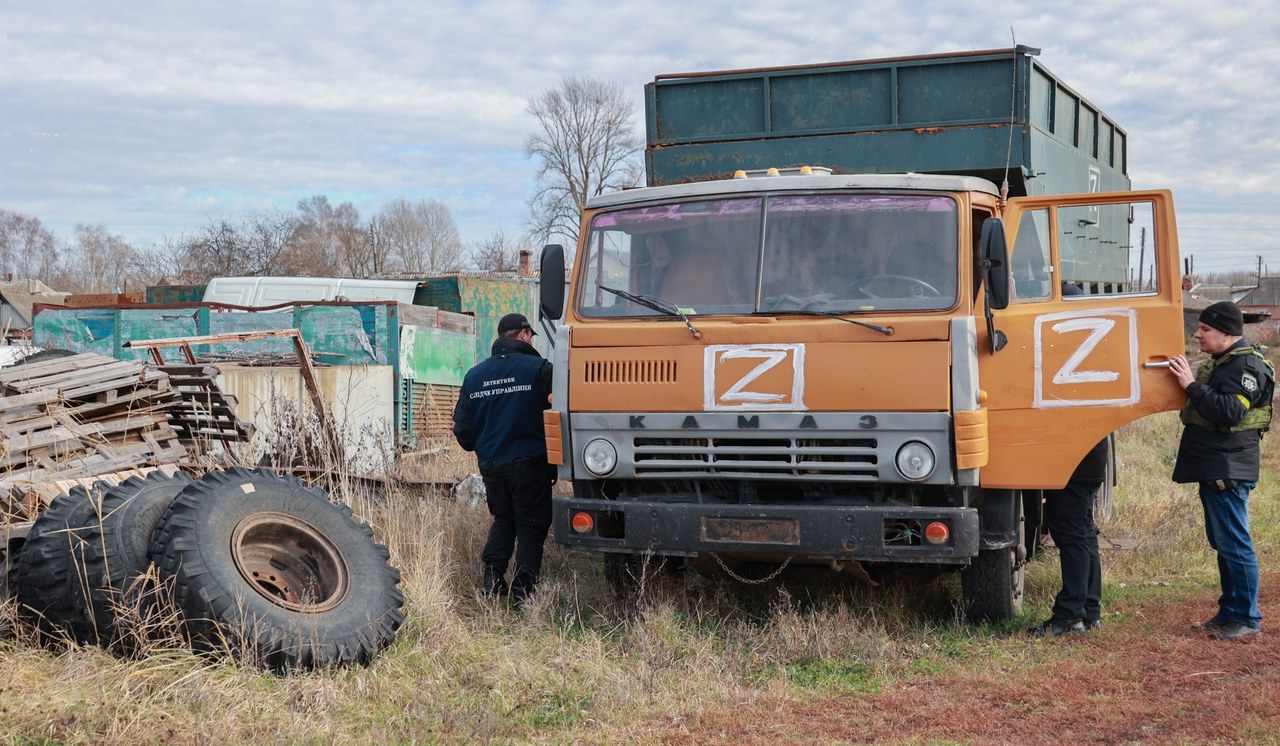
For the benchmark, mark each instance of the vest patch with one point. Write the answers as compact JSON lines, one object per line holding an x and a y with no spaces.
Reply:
{"x":1249,"y":382}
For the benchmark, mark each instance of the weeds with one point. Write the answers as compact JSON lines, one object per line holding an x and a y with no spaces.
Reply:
{"x":572,"y":666}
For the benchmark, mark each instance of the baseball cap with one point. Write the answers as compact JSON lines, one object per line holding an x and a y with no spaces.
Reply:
{"x":512,"y":322}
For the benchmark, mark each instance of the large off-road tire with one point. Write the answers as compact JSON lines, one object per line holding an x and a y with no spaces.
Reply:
{"x":992,"y":584}
{"x":122,"y":603}
{"x":272,"y":572}
{"x":49,"y":580}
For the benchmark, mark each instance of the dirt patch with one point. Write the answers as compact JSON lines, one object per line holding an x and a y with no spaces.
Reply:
{"x":1148,"y":679}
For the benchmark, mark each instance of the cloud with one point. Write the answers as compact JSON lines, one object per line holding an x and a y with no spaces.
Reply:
{"x":153,"y":117}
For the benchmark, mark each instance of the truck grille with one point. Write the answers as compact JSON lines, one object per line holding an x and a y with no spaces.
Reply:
{"x":807,"y":458}
{"x":629,"y":371}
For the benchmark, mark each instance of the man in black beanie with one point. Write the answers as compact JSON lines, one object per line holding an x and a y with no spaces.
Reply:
{"x":1228,"y":409}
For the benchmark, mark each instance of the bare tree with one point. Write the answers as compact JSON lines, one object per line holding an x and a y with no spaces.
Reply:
{"x":27,"y":249}
{"x":497,"y":253}
{"x":330,"y":240}
{"x":420,"y":236}
{"x":99,"y":262}
{"x":258,"y":246}
{"x":586,"y":145}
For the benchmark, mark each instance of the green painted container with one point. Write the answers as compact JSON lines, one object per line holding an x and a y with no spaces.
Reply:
{"x":984,"y":114}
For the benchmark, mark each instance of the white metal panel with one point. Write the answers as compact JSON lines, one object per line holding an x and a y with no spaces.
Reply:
{"x":360,"y":401}
{"x":268,"y":291}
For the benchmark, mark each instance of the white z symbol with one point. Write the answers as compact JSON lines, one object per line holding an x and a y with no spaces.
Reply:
{"x":735,"y":392}
{"x":780,"y":394}
{"x":1098,"y":329}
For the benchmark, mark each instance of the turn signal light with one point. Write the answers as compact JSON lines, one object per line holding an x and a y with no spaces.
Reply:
{"x":582,"y":522}
{"x":937,"y":533}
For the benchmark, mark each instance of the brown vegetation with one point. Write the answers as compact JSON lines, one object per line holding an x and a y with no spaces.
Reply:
{"x":800,"y":663}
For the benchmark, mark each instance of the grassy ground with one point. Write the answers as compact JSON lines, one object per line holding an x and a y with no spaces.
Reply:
{"x":572,"y":669}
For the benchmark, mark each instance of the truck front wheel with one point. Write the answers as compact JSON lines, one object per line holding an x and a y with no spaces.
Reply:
{"x":992,"y":584}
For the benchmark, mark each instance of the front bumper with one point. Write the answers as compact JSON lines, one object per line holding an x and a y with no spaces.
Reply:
{"x":825,"y":532}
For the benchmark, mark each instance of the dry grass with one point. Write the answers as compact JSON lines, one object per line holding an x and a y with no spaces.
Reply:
{"x":572,"y":668}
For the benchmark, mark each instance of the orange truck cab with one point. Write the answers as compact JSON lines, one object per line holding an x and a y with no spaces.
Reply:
{"x":866,"y":371}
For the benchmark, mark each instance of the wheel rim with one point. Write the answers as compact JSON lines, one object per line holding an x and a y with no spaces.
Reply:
{"x":290,"y":563}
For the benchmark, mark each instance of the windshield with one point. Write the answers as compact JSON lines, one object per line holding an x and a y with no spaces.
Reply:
{"x":834,"y":253}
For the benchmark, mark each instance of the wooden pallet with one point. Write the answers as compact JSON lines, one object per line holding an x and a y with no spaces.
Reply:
{"x":203,"y":412}
{"x":79,"y":417}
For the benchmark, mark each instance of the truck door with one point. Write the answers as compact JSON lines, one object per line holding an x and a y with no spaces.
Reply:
{"x":1094,"y":317}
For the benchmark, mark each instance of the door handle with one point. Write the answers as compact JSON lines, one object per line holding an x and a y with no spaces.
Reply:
{"x":1160,"y":364}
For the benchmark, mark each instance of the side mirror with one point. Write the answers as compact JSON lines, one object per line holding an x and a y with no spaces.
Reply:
{"x":995,"y":263}
{"x":551,"y":281}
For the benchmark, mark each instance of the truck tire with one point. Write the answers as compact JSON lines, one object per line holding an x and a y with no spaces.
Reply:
{"x":271,"y":571}
{"x":992,"y":584}
{"x":116,"y":557}
{"x":48,"y":579}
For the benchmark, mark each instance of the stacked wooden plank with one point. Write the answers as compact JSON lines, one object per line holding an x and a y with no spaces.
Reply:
{"x":203,"y":412}
{"x":76,"y":417}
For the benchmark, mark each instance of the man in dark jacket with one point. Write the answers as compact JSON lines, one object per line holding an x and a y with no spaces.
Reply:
{"x":1228,"y":408}
{"x":499,"y":416}
{"x":1068,"y":515}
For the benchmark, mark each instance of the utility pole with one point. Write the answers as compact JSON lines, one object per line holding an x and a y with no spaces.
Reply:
{"x":1142,"y":255}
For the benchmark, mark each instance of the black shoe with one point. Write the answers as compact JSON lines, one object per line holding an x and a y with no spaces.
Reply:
{"x":1210,"y":625}
{"x":1057,"y":628}
{"x":1092,"y":625}
{"x":522,"y":587}
{"x":495,"y":582}
{"x":1233,"y":631}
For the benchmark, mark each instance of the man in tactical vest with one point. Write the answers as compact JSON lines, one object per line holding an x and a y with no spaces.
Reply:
{"x":499,"y":416}
{"x":1228,"y":409}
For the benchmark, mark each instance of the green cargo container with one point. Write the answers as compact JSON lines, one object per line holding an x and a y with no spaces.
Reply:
{"x":968,"y":114}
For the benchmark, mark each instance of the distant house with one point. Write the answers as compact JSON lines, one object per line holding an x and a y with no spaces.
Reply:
{"x":17,"y":298}
{"x":1258,"y":303}
{"x":1263,"y":301}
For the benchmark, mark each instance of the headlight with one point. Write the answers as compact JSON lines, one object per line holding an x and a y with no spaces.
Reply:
{"x":915,"y":461}
{"x":600,"y":457}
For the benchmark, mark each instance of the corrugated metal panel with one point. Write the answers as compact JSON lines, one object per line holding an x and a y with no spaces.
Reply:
{"x":432,"y":407}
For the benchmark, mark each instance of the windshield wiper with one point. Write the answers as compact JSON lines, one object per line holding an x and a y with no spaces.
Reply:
{"x":660,"y":305}
{"x":887,"y":330}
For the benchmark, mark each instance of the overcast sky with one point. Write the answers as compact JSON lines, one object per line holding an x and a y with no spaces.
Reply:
{"x":153,"y":118}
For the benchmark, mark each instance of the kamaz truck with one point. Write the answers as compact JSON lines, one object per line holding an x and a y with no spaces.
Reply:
{"x":861,"y":316}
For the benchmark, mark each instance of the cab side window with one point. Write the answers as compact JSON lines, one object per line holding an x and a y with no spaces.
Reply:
{"x":1029,"y":261}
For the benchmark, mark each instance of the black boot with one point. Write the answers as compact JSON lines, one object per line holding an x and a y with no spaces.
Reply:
{"x":495,"y":581}
{"x":522,"y":587}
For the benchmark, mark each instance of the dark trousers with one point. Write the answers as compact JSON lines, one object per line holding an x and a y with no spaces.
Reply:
{"x":519,"y":497}
{"x":1069,"y":516}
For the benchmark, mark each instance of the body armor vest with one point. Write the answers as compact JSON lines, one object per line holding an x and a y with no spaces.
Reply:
{"x":1257,"y":418}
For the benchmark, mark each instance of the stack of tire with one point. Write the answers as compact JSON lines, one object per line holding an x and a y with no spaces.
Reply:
{"x":241,"y":562}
